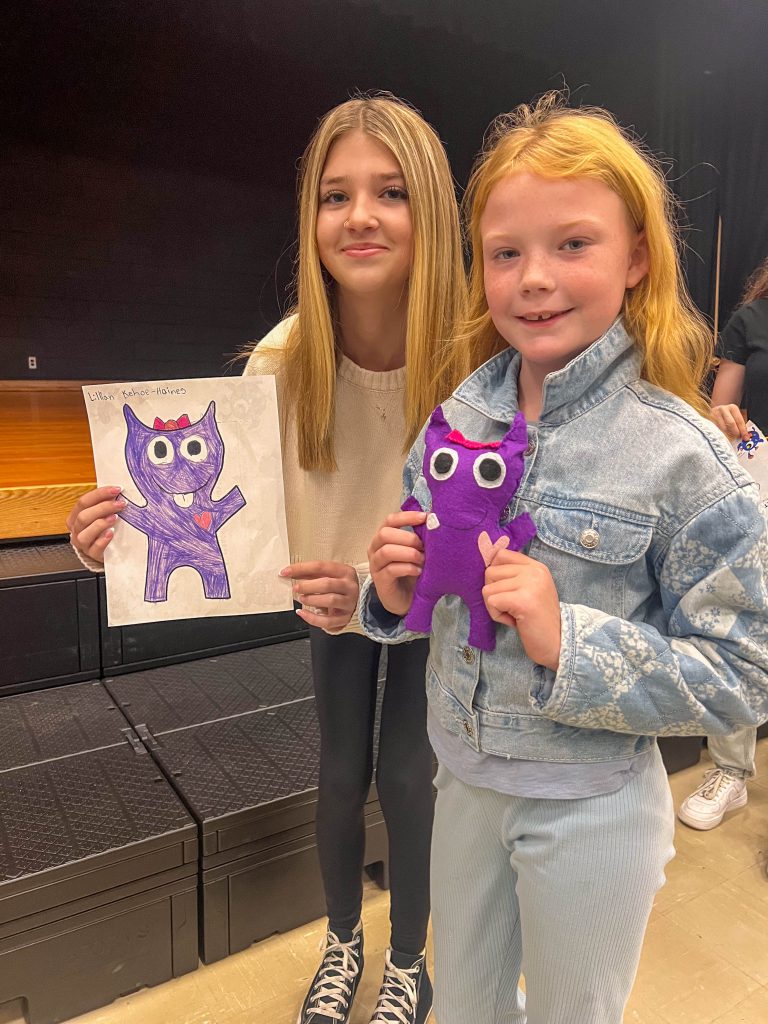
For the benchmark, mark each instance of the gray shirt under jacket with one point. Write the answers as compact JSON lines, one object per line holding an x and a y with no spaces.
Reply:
{"x":539,"y":780}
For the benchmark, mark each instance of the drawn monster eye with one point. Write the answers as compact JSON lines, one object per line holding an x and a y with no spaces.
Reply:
{"x":160,"y":451}
{"x":489,"y":470}
{"x":194,"y":448}
{"x":443,"y":463}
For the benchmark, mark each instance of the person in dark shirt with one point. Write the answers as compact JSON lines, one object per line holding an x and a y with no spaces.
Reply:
{"x":741,"y":384}
{"x":742,"y":377}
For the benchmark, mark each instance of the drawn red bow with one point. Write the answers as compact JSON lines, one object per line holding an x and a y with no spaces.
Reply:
{"x":182,"y":421}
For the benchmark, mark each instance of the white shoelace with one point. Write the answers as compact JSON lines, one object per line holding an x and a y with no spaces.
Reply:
{"x":398,"y":995}
{"x":715,"y":781}
{"x":333,"y":986}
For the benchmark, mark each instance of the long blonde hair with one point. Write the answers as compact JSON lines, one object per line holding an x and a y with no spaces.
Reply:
{"x":436,"y":289}
{"x":554,"y":141}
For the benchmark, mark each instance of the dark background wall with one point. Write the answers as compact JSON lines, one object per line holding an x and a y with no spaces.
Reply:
{"x":148,"y":149}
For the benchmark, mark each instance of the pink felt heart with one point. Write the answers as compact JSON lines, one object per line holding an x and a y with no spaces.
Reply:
{"x":204,"y":519}
{"x":488,"y":550}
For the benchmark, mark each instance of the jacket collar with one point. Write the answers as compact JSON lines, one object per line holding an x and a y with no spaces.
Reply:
{"x":607,"y":365}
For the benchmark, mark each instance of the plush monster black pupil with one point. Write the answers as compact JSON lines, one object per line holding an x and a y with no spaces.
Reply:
{"x":161,"y":449}
{"x":194,"y":448}
{"x":443,"y":462}
{"x":490,"y":470}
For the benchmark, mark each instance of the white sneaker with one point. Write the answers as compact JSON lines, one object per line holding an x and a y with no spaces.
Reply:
{"x":706,"y":806}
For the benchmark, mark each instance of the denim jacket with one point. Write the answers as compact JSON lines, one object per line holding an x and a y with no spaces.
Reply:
{"x":656,"y":544}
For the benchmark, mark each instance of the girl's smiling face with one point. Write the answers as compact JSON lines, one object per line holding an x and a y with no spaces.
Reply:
{"x":364,"y":231}
{"x":558,"y":256}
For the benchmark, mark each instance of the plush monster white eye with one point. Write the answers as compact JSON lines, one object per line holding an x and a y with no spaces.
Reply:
{"x":489,"y":470}
{"x":194,"y":448}
{"x":443,"y":463}
{"x":160,"y":451}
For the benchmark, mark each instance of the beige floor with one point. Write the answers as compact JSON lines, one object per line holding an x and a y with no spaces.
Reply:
{"x":705,"y":957}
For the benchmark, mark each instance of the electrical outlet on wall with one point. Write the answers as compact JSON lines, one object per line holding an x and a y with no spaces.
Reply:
{"x":32,"y":362}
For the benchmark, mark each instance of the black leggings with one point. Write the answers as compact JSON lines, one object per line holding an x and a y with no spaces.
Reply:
{"x":345,"y":669}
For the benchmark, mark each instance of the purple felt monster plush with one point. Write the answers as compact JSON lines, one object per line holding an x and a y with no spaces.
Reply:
{"x":175,"y":464}
{"x":472,"y":483}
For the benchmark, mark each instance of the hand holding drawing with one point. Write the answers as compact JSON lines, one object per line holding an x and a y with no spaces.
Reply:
{"x":327,"y":591}
{"x":730,"y":420}
{"x":520,"y":592}
{"x":92,"y":519}
{"x":396,"y":558}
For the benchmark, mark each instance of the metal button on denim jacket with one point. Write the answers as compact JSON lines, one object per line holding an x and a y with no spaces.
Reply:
{"x":653,"y":536}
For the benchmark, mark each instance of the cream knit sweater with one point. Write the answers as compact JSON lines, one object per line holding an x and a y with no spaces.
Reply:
{"x":333,"y":516}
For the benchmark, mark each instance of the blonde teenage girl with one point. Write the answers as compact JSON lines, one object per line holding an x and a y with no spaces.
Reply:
{"x":380,"y":282}
{"x":639,"y":609}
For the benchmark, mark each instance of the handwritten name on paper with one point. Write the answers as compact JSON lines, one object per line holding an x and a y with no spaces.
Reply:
{"x":96,"y":395}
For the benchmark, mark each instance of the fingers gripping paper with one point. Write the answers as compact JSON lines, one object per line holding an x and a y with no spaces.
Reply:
{"x":204,"y":529}
{"x":753,"y":456}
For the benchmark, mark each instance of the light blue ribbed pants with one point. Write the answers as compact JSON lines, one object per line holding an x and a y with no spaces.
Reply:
{"x":735,"y":751}
{"x":558,"y":890}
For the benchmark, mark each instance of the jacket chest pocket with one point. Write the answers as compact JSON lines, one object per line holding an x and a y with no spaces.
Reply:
{"x":594,"y":558}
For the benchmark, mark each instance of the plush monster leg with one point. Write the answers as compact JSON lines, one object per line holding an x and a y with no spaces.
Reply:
{"x":419,"y":618}
{"x":482,"y":628}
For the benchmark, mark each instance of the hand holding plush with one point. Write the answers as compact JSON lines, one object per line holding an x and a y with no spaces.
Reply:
{"x":471,"y":483}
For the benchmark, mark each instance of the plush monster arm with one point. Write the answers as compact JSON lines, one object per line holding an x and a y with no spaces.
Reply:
{"x":411,"y":504}
{"x":231,"y":503}
{"x":520,"y":531}
{"x":140,"y":517}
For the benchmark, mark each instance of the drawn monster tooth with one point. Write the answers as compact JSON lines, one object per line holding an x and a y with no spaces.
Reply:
{"x":184,"y":500}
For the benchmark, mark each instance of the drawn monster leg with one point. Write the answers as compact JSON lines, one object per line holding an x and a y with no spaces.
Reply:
{"x":161,"y":561}
{"x":482,"y":628}
{"x":215,"y":582}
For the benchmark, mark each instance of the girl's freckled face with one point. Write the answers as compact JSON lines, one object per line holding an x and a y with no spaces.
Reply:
{"x":558,"y":256}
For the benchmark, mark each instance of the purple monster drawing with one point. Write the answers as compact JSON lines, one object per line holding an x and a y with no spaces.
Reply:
{"x":471,"y":483}
{"x":175,"y":464}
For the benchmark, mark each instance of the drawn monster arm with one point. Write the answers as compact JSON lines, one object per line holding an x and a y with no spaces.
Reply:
{"x":138,"y":516}
{"x":227,"y":506}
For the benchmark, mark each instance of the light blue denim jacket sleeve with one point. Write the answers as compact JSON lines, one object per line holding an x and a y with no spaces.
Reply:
{"x":712,"y":664}
{"x":377,"y":622}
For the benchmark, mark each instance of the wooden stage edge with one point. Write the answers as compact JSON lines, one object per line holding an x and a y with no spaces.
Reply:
{"x":46,"y":462}
{"x":46,"y":385}
{"x":28,"y":512}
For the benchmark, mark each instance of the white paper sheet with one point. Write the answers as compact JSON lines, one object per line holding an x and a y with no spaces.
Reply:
{"x":753,"y":456}
{"x":204,"y":533}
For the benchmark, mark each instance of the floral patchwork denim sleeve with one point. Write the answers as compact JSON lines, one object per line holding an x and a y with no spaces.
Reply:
{"x":699,"y":667}
{"x":377,"y":622}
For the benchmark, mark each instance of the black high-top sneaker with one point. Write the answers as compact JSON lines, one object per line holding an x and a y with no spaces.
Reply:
{"x":329,"y":1000}
{"x":405,"y":996}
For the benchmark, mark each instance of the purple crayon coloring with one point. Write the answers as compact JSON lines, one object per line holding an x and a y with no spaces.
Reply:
{"x":175,"y":465}
{"x":471,"y":483}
